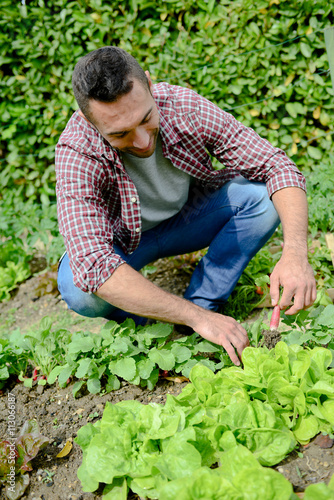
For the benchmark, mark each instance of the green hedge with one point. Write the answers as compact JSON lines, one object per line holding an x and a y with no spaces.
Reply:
{"x":234,"y":53}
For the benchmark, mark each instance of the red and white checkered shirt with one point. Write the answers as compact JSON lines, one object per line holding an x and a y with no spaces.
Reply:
{"x":98,"y":203}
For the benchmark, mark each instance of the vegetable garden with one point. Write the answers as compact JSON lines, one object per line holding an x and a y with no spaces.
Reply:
{"x":92,"y":409}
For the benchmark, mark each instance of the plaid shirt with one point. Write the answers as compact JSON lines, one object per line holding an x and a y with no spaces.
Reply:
{"x":98,"y":203}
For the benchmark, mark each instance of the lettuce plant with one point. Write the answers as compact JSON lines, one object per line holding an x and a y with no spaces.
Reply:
{"x":280,"y":398}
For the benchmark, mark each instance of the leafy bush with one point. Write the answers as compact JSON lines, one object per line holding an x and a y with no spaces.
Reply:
{"x":27,"y":229}
{"x":320,"y":188}
{"x":266,"y":62}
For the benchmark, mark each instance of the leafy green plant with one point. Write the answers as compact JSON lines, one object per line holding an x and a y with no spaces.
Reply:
{"x":14,"y":268}
{"x":238,"y":477}
{"x":133,"y":354}
{"x":16,"y":456}
{"x":37,"y":351}
{"x":321,"y":262}
{"x":14,"y":359}
{"x":280,"y":398}
{"x":311,"y":327}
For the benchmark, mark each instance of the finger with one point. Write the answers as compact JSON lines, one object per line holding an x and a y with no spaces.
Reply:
{"x":298,"y":304}
{"x":231,"y":352}
{"x":314,"y":293}
{"x":240,"y":342}
{"x":234,"y":346}
{"x":310,"y":297}
{"x":287,"y":295}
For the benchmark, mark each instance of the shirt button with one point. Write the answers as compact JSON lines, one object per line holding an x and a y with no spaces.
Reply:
{"x":133,"y":199}
{"x":137,"y":230}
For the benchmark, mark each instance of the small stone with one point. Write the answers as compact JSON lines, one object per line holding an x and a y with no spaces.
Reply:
{"x":324,"y":441}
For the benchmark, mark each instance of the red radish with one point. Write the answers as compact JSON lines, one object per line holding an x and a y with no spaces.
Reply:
{"x":259,"y":290}
{"x":34,"y":374}
{"x":274,"y":322}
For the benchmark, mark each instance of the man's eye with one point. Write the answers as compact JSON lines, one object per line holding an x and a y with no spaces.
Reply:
{"x":147,"y":119}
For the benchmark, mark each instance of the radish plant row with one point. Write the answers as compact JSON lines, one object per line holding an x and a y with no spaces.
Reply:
{"x":138,"y":355}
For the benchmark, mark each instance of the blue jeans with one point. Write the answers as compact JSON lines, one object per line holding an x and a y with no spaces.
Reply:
{"x":234,"y":222}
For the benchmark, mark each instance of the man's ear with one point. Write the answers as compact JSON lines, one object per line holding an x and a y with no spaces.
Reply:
{"x":149,"y":79}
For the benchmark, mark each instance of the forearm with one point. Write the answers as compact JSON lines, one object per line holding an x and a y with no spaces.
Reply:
{"x":291,"y":205}
{"x":293,"y":271}
{"x":130,"y":291}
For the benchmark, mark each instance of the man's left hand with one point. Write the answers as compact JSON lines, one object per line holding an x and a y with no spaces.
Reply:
{"x":296,"y":276}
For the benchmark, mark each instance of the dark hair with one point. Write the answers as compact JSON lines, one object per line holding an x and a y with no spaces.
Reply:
{"x":105,"y":75}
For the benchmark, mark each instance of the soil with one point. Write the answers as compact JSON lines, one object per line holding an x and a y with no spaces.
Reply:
{"x":60,"y":416}
{"x":270,"y":338}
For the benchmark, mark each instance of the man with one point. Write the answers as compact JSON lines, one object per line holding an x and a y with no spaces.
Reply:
{"x":135,"y":183}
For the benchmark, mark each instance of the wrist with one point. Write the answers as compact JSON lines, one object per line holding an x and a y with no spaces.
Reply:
{"x":197,"y":317}
{"x":298,"y":248}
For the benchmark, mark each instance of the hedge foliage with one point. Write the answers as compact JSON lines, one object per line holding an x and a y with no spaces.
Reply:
{"x":270,"y":52}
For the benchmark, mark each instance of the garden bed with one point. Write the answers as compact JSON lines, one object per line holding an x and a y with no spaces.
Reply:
{"x":60,"y":415}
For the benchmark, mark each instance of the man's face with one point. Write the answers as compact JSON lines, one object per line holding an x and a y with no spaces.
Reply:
{"x":131,"y":124}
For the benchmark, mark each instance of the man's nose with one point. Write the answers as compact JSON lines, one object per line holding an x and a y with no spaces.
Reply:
{"x":141,"y":139}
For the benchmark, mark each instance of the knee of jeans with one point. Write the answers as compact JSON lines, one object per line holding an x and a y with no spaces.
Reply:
{"x":260,"y":204}
{"x":85,"y":304}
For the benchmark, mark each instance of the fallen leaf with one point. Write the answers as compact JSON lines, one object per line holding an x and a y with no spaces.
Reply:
{"x":178,"y":380}
{"x":66,"y":450}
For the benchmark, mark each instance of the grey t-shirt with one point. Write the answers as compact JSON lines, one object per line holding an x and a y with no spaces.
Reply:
{"x":162,"y":188}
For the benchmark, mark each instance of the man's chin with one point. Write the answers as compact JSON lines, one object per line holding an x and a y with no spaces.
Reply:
{"x":141,"y":154}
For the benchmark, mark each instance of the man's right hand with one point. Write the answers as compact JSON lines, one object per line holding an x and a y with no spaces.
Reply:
{"x":224,"y":331}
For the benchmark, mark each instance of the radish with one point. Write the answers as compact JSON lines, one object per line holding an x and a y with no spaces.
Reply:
{"x":274,"y":322}
{"x":34,"y":374}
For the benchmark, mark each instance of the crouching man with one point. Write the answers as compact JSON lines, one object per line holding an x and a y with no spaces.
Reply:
{"x":135,"y":183}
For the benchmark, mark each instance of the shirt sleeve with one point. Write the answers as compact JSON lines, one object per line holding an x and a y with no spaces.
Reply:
{"x":240,"y":148}
{"x":84,"y":218}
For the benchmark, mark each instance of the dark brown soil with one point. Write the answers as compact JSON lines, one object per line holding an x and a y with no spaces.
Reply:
{"x":60,"y":416}
{"x":270,"y":338}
